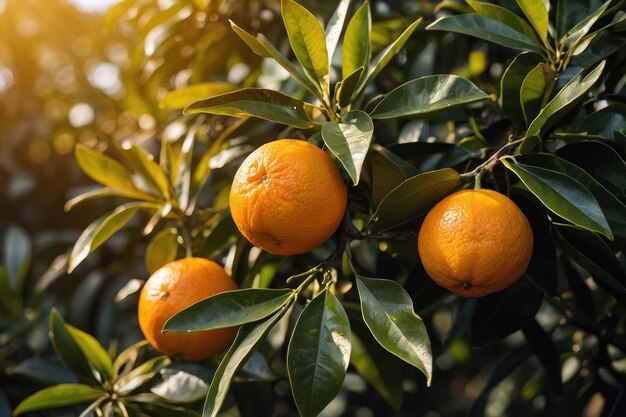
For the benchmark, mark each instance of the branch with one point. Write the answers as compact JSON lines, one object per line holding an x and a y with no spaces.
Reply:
{"x":493,"y":160}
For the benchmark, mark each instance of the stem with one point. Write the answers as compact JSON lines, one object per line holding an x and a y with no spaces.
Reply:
{"x":477,"y":184}
{"x":492,"y":161}
{"x":347,"y":232}
{"x":187,"y":240}
{"x":310,"y":271}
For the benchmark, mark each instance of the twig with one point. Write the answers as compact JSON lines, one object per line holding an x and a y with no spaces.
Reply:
{"x":492,"y":161}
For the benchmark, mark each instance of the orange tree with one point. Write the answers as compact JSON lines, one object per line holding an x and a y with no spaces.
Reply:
{"x":549,"y":133}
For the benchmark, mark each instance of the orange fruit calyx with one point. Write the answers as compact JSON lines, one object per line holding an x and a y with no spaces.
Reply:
{"x":475,"y":242}
{"x":288,"y":197}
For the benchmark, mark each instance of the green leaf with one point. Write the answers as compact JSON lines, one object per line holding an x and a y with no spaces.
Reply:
{"x":106,"y":192}
{"x":16,"y":258}
{"x":563,"y":195}
{"x":593,"y":254}
{"x":318,"y":354}
{"x":44,"y":371}
{"x":571,"y":12}
{"x":93,"y":351}
{"x":499,"y":13}
{"x":229,"y":309}
{"x":385,"y":173}
{"x":576,"y":34}
{"x":264,"y":48}
{"x":248,"y":338}
{"x":531,"y":92}
{"x":612,"y":207}
{"x":219,"y":235}
{"x":58,"y":396}
{"x":356,"y":50}
{"x":182,"y":97}
{"x":147,"y":169}
{"x":376,"y":366}
{"x":346,"y":88}
{"x":257,"y":102}
{"x":510,"y":361}
{"x":335,"y":27}
{"x":349,"y":140}
{"x":68,"y":350}
{"x":103,"y":169}
{"x":425,"y":96}
{"x":501,"y":314}
{"x":180,"y":387}
{"x":511,"y":84}
{"x":604,"y":122}
{"x":601,"y":162}
{"x":307,"y":40}
{"x":537,"y":14}
{"x":568,"y":97}
{"x":161,"y":250}
{"x":412,"y":198}
{"x":488,"y":29}
{"x":99,"y":231}
{"x":388,"y":312}
{"x":384,"y":57}
{"x":141,"y":374}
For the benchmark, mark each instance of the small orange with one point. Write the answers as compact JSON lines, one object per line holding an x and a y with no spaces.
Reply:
{"x":174,"y":287}
{"x":288,"y":197}
{"x":475,"y":242}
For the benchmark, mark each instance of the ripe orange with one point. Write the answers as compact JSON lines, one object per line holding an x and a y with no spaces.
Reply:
{"x":475,"y":242}
{"x":174,"y":287}
{"x":288,"y":197}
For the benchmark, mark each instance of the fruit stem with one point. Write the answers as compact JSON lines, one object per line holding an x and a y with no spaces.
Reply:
{"x":477,"y":185}
{"x":489,"y":164}
{"x":187,"y":240}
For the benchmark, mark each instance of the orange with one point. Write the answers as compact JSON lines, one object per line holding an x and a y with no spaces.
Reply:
{"x":288,"y":197}
{"x":475,"y":242}
{"x":174,"y":287}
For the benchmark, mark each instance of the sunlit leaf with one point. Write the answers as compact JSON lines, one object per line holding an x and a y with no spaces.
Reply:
{"x":58,"y":396}
{"x":426,"y":96}
{"x":103,"y":169}
{"x":503,"y":15}
{"x":257,"y":102}
{"x":146,"y":168}
{"x":335,"y":27}
{"x":93,"y":351}
{"x":307,"y":40}
{"x":349,"y":141}
{"x":383,"y":58}
{"x":161,"y":250}
{"x":107,"y":192}
{"x":565,"y":99}
{"x":182,"y":97}
{"x":180,"y":387}
{"x":100,"y":230}
{"x":537,"y":14}
{"x":388,"y":312}
{"x":263,"y":47}
{"x":356,"y":49}
{"x":488,"y":29}
{"x":229,"y":309}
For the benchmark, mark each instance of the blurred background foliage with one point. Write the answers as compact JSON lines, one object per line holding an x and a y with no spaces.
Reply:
{"x":70,"y":75}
